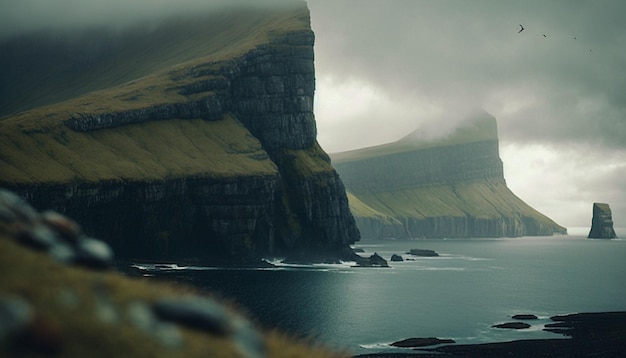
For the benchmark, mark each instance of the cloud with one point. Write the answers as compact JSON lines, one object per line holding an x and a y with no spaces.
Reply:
{"x":560,"y":100}
{"x":20,"y":16}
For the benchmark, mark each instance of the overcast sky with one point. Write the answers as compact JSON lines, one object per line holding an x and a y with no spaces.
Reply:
{"x":385,"y":68}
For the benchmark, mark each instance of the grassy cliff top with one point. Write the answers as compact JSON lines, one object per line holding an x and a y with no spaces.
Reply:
{"x":167,"y":149}
{"x":480,"y":128}
{"x":144,"y":69}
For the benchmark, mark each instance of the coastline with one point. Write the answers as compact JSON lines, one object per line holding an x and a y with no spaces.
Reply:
{"x":601,"y":334}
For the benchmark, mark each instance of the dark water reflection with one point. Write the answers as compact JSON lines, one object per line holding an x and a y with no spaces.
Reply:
{"x":473,"y":285}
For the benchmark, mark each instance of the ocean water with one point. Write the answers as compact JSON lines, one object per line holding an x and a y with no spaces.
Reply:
{"x":474,"y":284}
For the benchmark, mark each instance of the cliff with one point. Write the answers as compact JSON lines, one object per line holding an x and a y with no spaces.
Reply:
{"x":449,"y":187}
{"x":602,"y":222}
{"x":194,"y":140}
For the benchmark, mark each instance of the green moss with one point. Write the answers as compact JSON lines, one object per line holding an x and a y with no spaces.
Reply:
{"x":484,"y":200}
{"x":35,"y":146}
{"x":148,"y":151}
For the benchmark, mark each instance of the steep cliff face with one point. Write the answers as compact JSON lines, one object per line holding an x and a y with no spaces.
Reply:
{"x":453,"y":187}
{"x":211,"y":159}
{"x":602,"y":222}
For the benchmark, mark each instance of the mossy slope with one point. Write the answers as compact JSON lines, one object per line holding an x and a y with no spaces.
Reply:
{"x":451,"y":187}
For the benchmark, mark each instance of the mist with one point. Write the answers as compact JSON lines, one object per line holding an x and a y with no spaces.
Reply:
{"x":27,"y":16}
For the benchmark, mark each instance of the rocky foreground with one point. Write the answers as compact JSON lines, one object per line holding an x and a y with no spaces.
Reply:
{"x":59,"y":296}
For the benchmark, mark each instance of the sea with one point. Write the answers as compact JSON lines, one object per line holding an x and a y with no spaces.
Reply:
{"x":472,"y":285}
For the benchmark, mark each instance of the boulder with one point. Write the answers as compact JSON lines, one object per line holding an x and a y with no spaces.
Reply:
{"x":373,"y":261}
{"x":602,"y":222}
{"x":396,"y":258}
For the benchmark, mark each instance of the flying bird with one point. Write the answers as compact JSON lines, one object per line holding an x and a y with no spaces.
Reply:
{"x":521,"y":28}
{"x":544,"y":35}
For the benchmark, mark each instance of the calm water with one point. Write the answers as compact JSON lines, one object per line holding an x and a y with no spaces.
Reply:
{"x":471,"y":286}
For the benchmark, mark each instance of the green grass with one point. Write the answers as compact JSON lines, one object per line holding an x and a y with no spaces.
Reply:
{"x":36,"y":147}
{"x":484,"y":199}
{"x":157,"y":150}
{"x":482,"y":128}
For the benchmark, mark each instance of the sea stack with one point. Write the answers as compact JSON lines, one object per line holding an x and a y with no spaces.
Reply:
{"x":602,"y":222}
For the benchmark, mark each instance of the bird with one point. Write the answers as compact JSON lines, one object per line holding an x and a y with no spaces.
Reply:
{"x":544,"y":35}
{"x":521,"y":28}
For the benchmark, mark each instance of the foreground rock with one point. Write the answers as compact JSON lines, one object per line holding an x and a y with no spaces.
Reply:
{"x":71,"y":305}
{"x":602,"y":222}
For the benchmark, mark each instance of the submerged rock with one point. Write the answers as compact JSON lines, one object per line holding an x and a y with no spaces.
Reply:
{"x":421,"y":342}
{"x":512,"y":325}
{"x":423,"y":252}
{"x":602,"y":222}
{"x":524,"y":317}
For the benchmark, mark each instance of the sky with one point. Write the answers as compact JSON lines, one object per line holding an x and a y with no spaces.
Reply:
{"x":385,"y":68}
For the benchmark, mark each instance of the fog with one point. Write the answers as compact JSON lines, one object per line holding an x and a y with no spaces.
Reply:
{"x":386,"y":68}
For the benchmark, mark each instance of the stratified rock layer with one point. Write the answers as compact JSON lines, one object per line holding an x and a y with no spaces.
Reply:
{"x":214,"y":159}
{"x":453,"y":187}
{"x":602,"y":222}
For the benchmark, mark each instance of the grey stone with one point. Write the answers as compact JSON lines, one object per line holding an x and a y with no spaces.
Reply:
{"x":142,"y":317}
{"x":62,"y":252}
{"x":93,"y":253}
{"x":63,"y":225}
{"x":15,"y":314}
{"x":195,"y":312}
{"x":39,"y":237}
{"x":247,"y":339}
{"x":18,"y":206}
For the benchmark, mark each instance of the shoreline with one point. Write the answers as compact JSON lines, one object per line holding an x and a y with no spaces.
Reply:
{"x":601,"y":334}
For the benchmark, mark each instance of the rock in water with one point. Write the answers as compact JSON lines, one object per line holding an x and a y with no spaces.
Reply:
{"x":602,"y":222}
{"x":423,"y":252}
{"x":396,"y":258}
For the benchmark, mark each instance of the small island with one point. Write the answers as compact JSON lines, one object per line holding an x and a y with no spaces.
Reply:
{"x":602,"y":222}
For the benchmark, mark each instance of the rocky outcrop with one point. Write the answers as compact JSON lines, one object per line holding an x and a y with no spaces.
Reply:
{"x":214,"y":159}
{"x":452,"y":187}
{"x":602,"y":222}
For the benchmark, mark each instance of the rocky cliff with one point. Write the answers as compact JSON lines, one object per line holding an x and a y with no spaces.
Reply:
{"x":602,"y":222}
{"x":450,"y":187}
{"x":209,"y":155}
